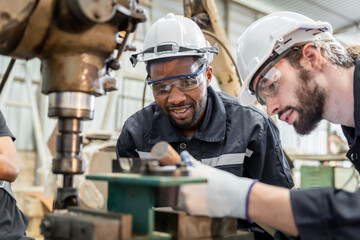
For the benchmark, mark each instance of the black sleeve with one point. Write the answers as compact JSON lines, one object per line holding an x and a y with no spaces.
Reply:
{"x":13,"y":222}
{"x":326,"y":213}
{"x":267,"y":161}
{"x":125,"y":146}
{"x":4,"y":130}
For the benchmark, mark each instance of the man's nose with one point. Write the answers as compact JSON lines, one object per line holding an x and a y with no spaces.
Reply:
{"x":273,"y":105}
{"x":176,"y":96}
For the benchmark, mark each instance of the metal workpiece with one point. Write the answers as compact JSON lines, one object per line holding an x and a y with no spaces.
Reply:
{"x":71,"y":105}
{"x":152,"y":168}
{"x":165,"y":153}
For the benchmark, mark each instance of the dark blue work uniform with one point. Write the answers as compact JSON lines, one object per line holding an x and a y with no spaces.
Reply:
{"x":13,"y":222}
{"x":329,"y":213}
{"x":241,"y":140}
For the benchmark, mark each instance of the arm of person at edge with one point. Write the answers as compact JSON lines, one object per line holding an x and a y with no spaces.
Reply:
{"x":318,"y":213}
{"x":226,"y":195}
{"x":271,"y":205}
{"x":9,"y":162}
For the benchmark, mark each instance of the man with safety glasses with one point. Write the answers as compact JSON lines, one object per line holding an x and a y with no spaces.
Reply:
{"x":303,"y":74}
{"x":187,"y":113}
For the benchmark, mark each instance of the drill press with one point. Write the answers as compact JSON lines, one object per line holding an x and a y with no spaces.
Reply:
{"x":74,"y":39}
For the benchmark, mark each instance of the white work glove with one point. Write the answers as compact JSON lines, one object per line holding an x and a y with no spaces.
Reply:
{"x":224,"y":194}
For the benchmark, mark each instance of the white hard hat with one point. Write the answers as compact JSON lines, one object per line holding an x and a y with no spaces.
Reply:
{"x":174,"y":36}
{"x":270,"y":36}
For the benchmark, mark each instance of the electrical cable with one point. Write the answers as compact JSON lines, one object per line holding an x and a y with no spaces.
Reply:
{"x":7,"y":73}
{"x":143,"y":98}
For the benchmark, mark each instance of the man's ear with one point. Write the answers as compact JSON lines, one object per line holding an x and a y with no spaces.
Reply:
{"x":209,"y":72}
{"x":312,"y":57}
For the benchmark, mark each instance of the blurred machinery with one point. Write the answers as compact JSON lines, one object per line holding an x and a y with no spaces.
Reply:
{"x":75,"y":40}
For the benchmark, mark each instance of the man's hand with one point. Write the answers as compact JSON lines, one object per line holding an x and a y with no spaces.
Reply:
{"x":224,"y":194}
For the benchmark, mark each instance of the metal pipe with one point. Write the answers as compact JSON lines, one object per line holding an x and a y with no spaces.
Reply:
{"x":7,"y":73}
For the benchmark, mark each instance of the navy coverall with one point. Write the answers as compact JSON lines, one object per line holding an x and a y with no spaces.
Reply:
{"x":241,"y":140}
{"x":329,"y":213}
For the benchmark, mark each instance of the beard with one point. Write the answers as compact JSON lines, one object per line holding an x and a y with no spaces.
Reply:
{"x":310,"y":107}
{"x":198,"y":110}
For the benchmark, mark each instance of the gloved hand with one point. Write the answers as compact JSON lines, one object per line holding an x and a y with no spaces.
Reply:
{"x":224,"y":194}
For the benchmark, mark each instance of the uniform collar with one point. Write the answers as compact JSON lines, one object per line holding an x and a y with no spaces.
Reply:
{"x":212,"y":129}
{"x":357,"y":97}
{"x":351,"y":133}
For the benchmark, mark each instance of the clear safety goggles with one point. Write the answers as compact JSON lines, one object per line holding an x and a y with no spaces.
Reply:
{"x":268,"y":84}
{"x":185,"y":82}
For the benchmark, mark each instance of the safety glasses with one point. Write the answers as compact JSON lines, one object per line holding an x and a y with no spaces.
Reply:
{"x":268,"y":83}
{"x":185,"y":82}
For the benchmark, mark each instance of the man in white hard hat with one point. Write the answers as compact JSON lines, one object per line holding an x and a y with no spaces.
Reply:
{"x":188,"y":114}
{"x":294,"y":66}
